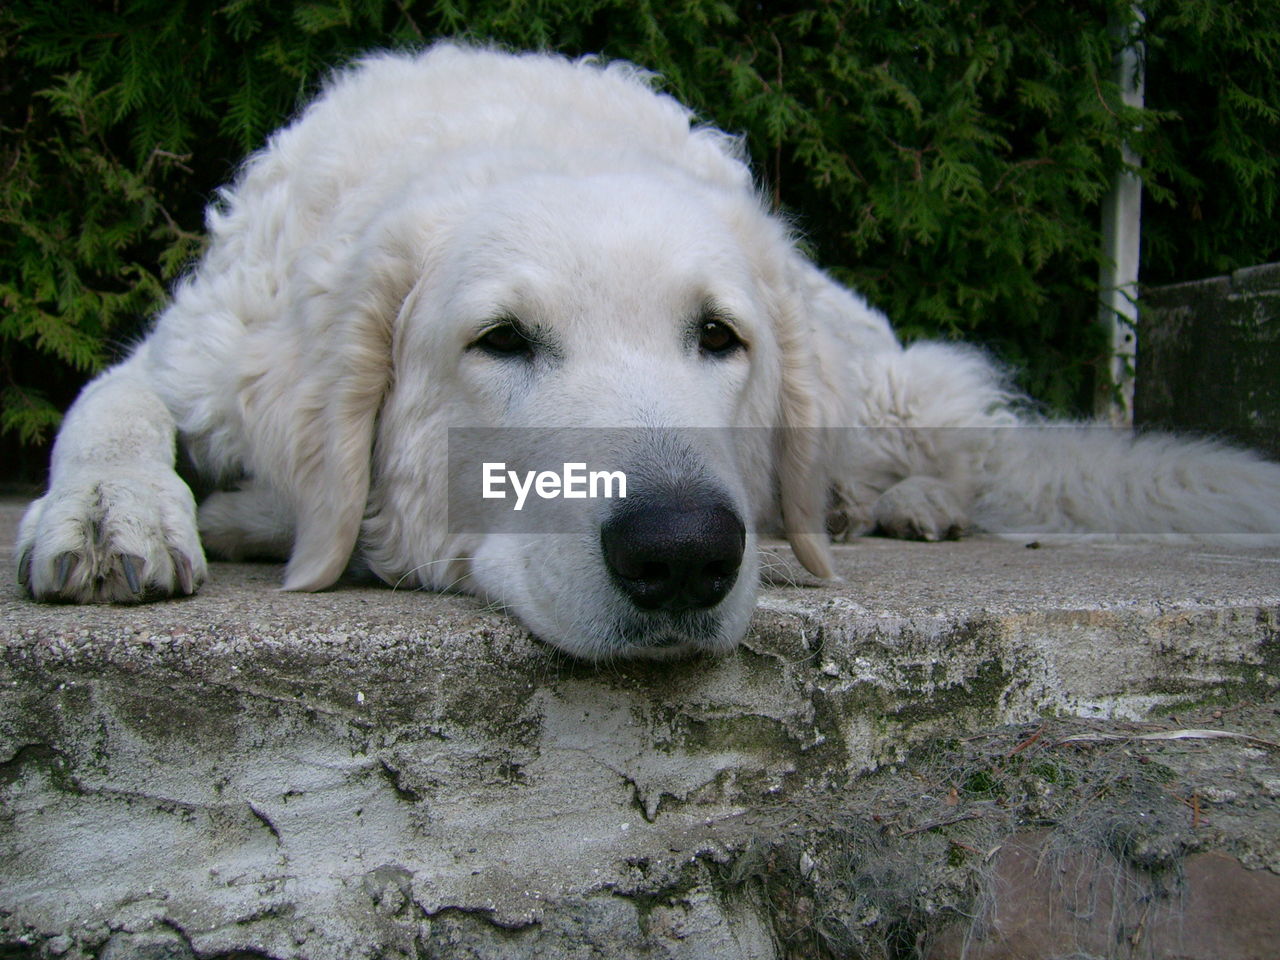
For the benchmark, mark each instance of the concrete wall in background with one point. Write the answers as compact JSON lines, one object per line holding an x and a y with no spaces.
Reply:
{"x":1209,"y":358}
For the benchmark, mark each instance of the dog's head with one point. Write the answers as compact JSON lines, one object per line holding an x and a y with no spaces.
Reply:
{"x":654,"y":319}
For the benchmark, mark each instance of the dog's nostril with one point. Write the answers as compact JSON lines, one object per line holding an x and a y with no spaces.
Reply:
{"x":674,"y":555}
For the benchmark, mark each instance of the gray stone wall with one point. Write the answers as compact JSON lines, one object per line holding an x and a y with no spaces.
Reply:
{"x":1209,"y":358}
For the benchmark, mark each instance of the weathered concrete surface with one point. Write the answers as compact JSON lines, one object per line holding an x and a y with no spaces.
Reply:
{"x":1208,"y":352}
{"x":370,"y":773}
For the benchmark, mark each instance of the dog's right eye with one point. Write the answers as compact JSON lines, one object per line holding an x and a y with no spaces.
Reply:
{"x":505,"y":339}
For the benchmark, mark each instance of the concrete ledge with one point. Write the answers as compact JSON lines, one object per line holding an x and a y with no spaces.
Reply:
{"x":369,"y":773}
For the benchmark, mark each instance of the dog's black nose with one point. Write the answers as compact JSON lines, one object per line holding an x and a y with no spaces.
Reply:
{"x":676,"y":555}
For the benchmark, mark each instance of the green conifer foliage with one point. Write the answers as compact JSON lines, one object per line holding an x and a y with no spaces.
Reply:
{"x":947,"y":158}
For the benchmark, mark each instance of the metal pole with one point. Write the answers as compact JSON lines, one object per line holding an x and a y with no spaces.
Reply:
{"x":1121,"y":239}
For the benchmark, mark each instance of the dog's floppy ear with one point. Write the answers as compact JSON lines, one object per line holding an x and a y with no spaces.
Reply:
{"x":311,"y":392}
{"x":803,"y":478}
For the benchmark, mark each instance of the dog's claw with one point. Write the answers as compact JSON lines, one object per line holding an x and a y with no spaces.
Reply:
{"x":182,"y":569}
{"x":64,"y":571}
{"x":130,"y":566}
{"x":24,"y":568}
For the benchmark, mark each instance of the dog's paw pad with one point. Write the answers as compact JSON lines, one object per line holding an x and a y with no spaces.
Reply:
{"x":120,"y":537}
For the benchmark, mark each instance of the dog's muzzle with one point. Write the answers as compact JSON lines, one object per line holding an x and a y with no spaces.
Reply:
{"x":676,"y":554}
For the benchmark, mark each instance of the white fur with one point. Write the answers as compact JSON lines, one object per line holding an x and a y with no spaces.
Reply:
{"x":314,"y":361}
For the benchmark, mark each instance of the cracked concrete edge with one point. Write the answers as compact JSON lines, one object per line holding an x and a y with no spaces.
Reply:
{"x":277,"y":754}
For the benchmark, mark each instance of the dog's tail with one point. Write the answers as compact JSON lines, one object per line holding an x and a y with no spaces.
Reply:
{"x":1084,"y":478}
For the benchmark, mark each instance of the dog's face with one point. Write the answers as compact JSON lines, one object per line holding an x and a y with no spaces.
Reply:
{"x":624,"y":314}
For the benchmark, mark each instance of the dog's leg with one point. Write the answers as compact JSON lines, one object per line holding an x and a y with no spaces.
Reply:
{"x":117,"y":524}
{"x":250,"y":523}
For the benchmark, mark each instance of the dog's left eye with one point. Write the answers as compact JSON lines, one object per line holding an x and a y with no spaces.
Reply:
{"x":716,"y":338}
{"x":505,"y":339}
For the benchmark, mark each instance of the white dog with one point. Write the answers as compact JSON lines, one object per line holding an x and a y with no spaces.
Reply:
{"x":468,"y":239}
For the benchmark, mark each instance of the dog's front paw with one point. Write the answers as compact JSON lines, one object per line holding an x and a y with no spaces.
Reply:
{"x":122,"y":535}
{"x":921,"y":508}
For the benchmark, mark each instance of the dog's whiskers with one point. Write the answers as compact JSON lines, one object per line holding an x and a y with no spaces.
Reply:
{"x":430,"y":563}
{"x":775,"y":571}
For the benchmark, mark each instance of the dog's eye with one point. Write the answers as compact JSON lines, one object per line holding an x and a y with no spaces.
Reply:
{"x":505,"y":339}
{"x":716,"y":338}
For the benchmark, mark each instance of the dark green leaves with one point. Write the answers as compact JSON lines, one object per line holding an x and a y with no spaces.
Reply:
{"x":946,"y":158}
